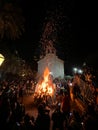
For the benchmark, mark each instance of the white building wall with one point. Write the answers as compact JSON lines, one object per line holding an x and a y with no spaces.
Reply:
{"x":55,"y":65}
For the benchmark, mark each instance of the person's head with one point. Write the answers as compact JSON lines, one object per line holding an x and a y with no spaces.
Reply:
{"x":76,"y":115}
{"x":65,"y":92}
{"x":26,"y":118}
{"x":32,"y":118}
{"x":41,"y":108}
{"x":90,"y":109}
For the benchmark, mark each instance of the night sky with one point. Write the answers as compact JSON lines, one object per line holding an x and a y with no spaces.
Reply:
{"x":78,"y":36}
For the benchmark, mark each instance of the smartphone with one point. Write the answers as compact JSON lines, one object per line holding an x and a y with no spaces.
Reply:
{"x":17,"y":124}
{"x":82,"y":123}
{"x":70,"y":113}
{"x":59,"y":104}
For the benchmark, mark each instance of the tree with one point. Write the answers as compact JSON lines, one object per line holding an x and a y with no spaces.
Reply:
{"x":11,"y":28}
{"x":11,"y":22}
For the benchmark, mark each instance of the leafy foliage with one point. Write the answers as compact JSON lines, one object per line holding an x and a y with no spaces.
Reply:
{"x":11,"y":22}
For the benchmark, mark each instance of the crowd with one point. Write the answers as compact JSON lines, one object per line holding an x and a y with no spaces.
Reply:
{"x":14,"y":117}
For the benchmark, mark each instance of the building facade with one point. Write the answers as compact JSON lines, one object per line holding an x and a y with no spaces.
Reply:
{"x":54,"y":64}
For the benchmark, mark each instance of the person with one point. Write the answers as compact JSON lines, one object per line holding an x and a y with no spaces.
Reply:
{"x":42,"y":121}
{"x":57,"y":119}
{"x":90,"y":119}
{"x":76,"y":91}
{"x":28,"y":125}
{"x":75,"y":121}
{"x":66,"y":106}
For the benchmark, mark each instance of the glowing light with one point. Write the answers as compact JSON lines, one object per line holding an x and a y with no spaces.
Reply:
{"x":75,"y":70}
{"x":70,"y":84}
{"x":1,"y":59}
{"x":80,"y":71}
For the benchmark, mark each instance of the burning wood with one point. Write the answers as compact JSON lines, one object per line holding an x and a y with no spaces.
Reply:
{"x":45,"y":85}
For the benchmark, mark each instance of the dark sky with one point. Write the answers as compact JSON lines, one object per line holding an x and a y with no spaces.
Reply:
{"x":78,"y":36}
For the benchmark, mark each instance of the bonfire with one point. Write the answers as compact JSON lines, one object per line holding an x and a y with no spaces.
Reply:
{"x":45,"y":88}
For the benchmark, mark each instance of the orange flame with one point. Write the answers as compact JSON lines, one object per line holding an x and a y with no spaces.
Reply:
{"x":45,"y":86}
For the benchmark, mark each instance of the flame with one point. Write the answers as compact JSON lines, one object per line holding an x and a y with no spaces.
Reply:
{"x":45,"y":86}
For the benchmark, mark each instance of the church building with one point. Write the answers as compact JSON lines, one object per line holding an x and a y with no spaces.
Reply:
{"x":54,"y":64}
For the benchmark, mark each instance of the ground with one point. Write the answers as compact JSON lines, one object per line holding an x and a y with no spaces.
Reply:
{"x":31,"y":109}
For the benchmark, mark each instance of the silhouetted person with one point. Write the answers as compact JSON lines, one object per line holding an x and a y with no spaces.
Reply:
{"x":58,"y":119}
{"x":43,"y":119}
{"x":65,"y":106}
